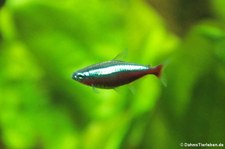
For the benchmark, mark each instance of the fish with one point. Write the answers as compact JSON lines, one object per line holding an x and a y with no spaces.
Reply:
{"x":114,"y":73}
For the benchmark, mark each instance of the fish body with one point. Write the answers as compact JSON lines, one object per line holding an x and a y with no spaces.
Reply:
{"x":112,"y":74}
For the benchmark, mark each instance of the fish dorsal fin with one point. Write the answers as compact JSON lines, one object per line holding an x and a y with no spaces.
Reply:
{"x":121,"y":56}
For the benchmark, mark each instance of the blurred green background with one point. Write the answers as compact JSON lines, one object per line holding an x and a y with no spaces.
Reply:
{"x":42,"y":42}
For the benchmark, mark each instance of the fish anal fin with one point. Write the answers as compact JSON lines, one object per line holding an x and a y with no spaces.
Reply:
{"x":95,"y":89}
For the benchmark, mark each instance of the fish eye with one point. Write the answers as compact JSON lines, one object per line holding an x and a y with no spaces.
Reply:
{"x":80,"y":76}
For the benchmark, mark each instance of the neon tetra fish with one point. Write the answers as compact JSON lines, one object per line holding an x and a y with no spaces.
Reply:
{"x":112,"y":74}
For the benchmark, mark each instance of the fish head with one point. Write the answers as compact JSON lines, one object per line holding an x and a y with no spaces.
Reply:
{"x":79,"y":76}
{"x":82,"y":77}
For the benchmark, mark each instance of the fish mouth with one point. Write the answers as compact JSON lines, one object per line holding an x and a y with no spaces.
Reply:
{"x":74,"y":77}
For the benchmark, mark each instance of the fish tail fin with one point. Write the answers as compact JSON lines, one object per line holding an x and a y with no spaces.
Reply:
{"x":156,"y":70}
